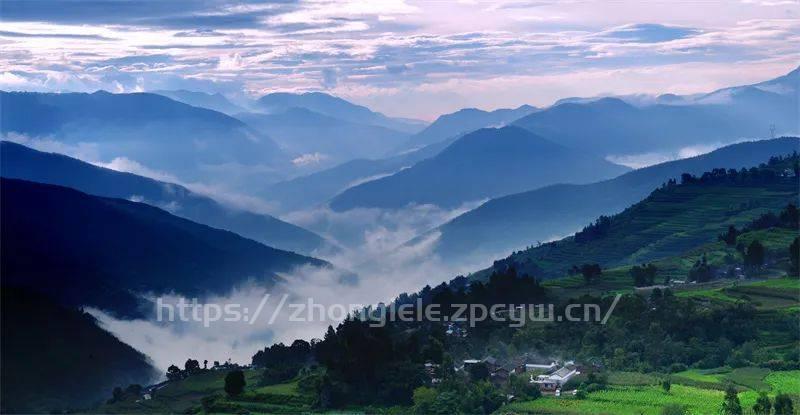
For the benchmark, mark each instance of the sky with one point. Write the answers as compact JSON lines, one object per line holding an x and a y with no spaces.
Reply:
{"x":416,"y":59}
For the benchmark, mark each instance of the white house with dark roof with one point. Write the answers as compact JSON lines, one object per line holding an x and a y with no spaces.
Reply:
{"x":556,"y":379}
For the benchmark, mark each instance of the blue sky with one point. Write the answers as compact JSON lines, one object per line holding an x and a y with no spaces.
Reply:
{"x":405,"y":58}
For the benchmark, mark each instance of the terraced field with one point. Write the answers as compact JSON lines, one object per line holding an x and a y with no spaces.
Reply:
{"x":669,"y":223}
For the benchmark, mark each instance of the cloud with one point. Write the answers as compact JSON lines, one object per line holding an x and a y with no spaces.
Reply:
{"x":386,"y":267}
{"x":309,"y":159}
{"x":79,"y":150}
{"x":638,"y":161}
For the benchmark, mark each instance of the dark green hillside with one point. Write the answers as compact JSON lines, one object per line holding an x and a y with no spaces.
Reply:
{"x":57,"y":358}
{"x":88,"y":250}
{"x":671,"y":221}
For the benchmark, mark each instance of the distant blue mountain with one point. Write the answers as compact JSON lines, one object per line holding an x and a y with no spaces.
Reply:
{"x":337,"y":108}
{"x":194,"y":144}
{"x":465,"y":121}
{"x":85,"y":250}
{"x":512,"y":222}
{"x":317,"y":188}
{"x":611,"y":126}
{"x":482,"y":164}
{"x":20,"y":162}
{"x":216,"y":102}
{"x":302,"y":131}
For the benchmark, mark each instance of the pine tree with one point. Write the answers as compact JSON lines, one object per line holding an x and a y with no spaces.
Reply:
{"x":731,"y":404}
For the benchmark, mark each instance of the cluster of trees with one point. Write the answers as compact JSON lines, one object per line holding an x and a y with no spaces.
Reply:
{"x":701,"y":271}
{"x":644,"y":275}
{"x":235,"y":382}
{"x":191,"y":367}
{"x":456,"y":396}
{"x":593,"y":231}
{"x":590,"y":272}
{"x":281,"y":362}
{"x":369,"y":365}
{"x":753,"y":175}
{"x":764,"y":406}
{"x":788,"y":218}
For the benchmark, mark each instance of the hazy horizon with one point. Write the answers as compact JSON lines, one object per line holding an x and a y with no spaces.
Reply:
{"x":403,"y":58}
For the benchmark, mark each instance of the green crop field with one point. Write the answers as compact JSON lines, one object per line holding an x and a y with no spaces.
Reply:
{"x":647,"y":400}
{"x":787,"y":382}
{"x":631,"y":379}
{"x":699,"y":376}
{"x":626,"y":400}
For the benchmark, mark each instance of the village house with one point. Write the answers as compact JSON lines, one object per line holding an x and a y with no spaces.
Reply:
{"x":555,"y":380}
{"x":499,"y":376}
{"x":541,"y":367}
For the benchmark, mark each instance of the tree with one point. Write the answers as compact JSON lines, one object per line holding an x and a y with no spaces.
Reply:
{"x":590,"y":272}
{"x":755,"y":255}
{"x":794,"y":258}
{"x":644,"y":275}
{"x":483,"y":398}
{"x":117,"y":394}
{"x":234,"y":383}
{"x":423,"y":398}
{"x":191,"y":366}
{"x":729,"y":237}
{"x":701,"y":271}
{"x":479,"y":372}
{"x":731,"y":404}
{"x":783,"y":405}
{"x":673,"y":409}
{"x":520,"y":387}
{"x":173,"y":372}
{"x":205,"y":364}
{"x":666,"y":384}
{"x":763,"y":405}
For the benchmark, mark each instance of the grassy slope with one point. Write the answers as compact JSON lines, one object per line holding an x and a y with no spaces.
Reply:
{"x":668,"y":223}
{"x":638,"y":398}
{"x":186,"y":394}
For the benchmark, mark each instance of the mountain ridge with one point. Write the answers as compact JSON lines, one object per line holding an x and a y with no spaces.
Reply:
{"x":524,"y":159}
{"x":20,"y":162}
